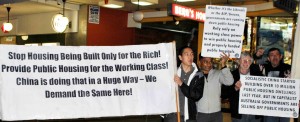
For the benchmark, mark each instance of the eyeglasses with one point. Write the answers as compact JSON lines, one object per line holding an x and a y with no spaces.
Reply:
{"x":246,"y":61}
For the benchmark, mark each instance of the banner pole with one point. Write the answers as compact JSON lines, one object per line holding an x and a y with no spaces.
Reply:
{"x":176,"y":86}
{"x":177,"y":105}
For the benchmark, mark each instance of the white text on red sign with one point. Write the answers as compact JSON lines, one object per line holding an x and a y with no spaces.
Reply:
{"x":188,"y":13}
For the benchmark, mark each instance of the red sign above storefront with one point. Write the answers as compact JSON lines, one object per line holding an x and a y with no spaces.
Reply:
{"x":185,"y":12}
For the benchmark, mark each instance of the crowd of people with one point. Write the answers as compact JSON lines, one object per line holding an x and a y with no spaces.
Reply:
{"x":200,"y":86}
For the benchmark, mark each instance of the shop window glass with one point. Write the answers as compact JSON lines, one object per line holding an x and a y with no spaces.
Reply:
{"x":276,"y":32}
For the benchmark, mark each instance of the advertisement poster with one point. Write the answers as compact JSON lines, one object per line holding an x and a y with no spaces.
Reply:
{"x":94,"y":14}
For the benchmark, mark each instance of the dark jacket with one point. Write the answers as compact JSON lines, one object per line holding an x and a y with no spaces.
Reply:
{"x":194,"y":93}
{"x":282,"y":68}
{"x":234,"y":95}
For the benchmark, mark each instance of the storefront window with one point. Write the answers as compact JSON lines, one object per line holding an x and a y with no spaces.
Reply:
{"x":247,"y":35}
{"x":276,"y":32}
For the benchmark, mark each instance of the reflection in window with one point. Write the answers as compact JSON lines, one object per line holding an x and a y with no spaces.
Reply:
{"x":276,"y":32}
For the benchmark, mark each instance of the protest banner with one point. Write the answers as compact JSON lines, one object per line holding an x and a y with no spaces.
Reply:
{"x":86,"y":81}
{"x":269,"y":96}
{"x":223,"y":31}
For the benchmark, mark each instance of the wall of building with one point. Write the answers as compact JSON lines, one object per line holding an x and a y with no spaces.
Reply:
{"x":111,"y":30}
{"x":79,"y":38}
{"x":39,"y":24}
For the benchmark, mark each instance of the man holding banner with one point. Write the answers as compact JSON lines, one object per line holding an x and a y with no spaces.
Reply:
{"x":245,"y":68}
{"x":276,"y":68}
{"x":209,"y":106}
{"x":191,"y":89}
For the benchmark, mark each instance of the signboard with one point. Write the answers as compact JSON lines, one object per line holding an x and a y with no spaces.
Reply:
{"x":223,"y":31}
{"x":64,"y":82}
{"x":94,"y":14}
{"x":185,"y":12}
{"x":269,"y":96}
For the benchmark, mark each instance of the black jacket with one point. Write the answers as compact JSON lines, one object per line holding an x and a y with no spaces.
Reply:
{"x":194,"y":93}
{"x":234,"y":95}
{"x":282,"y":68}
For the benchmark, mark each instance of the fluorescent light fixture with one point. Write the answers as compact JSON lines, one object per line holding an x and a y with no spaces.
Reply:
{"x":51,"y":44}
{"x":144,"y":2}
{"x":111,"y":4}
{"x":185,"y":0}
{"x":33,"y":44}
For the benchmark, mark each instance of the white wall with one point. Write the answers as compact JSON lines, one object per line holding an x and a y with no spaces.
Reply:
{"x":39,"y":23}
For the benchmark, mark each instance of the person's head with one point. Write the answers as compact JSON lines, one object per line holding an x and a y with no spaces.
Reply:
{"x":206,"y":63}
{"x":186,"y":56}
{"x":274,"y":56}
{"x":245,"y":61}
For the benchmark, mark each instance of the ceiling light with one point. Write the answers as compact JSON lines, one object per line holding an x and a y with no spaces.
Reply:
{"x":7,"y":26}
{"x":184,"y":0}
{"x":111,"y":4}
{"x":138,"y":16}
{"x":144,"y":2}
{"x":175,"y":21}
{"x":59,"y":21}
{"x":24,"y":37}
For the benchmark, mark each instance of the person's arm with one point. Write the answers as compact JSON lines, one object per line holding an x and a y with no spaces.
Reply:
{"x":237,"y":85}
{"x":256,"y":70}
{"x":224,"y":59}
{"x":195,"y":90}
{"x":233,"y":89}
{"x":226,"y":77}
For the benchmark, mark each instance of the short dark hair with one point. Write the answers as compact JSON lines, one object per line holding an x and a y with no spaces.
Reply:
{"x":273,"y":49}
{"x":182,"y":49}
{"x":200,"y":56}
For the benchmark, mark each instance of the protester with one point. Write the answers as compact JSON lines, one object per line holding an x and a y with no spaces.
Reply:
{"x":245,"y":68}
{"x":191,"y":89}
{"x":276,"y":68}
{"x":209,"y":106}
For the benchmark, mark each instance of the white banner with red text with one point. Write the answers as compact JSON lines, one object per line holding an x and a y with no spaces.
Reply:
{"x":65,"y":82}
{"x":269,"y":96}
